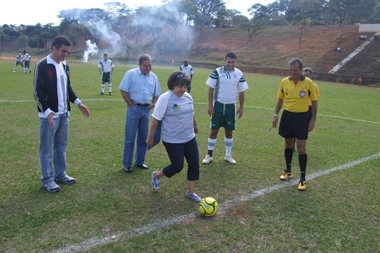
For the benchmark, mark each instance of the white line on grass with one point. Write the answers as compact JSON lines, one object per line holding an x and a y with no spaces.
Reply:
{"x":247,"y":106}
{"x":29,"y":101}
{"x":95,"y":242}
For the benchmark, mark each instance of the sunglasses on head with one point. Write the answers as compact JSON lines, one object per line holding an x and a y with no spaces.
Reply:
{"x":181,"y":75}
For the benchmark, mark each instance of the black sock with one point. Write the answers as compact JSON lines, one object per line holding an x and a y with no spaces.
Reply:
{"x":210,"y":152}
{"x":288,"y":159}
{"x":302,"y":160}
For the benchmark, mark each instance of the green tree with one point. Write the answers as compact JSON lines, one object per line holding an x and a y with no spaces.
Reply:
{"x":257,"y":24}
{"x":224,"y":17}
{"x":308,"y":8}
{"x":207,"y":10}
{"x":363,"y":13}
{"x":342,"y":9}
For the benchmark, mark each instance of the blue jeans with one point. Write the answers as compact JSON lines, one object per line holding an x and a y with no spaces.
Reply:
{"x":53,"y":143}
{"x":136,"y":122}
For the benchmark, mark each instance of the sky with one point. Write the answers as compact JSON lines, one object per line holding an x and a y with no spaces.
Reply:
{"x":27,"y":12}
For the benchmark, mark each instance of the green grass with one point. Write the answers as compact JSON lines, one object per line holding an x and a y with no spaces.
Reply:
{"x":339,"y":212}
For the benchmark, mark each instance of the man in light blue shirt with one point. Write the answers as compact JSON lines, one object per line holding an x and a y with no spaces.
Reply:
{"x":140,"y":89}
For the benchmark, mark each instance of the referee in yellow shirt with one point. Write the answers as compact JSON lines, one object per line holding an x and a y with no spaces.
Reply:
{"x":297,"y":92}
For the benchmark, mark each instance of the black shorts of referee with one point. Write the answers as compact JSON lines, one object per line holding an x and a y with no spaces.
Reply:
{"x":294,"y":125}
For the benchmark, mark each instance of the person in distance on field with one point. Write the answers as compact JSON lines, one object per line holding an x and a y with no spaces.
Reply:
{"x":18,"y":62}
{"x":105,"y":67}
{"x":26,"y":58}
{"x":53,"y":94}
{"x":140,"y":89}
{"x":296,"y":92}
{"x":308,"y":72}
{"x":188,"y":69}
{"x":226,"y":83}
{"x":175,"y":110}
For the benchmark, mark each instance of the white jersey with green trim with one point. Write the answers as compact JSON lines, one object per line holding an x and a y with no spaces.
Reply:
{"x":227,"y":84}
{"x":106,"y":66}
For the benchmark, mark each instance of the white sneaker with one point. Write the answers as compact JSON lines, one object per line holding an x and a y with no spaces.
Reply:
{"x":66,"y":179}
{"x":51,"y":187}
{"x":208,"y":159}
{"x":229,"y":159}
{"x":193,"y":196}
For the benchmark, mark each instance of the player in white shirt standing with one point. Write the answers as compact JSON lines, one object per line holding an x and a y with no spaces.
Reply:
{"x":19,"y":61}
{"x":26,"y":59}
{"x":188,"y":69}
{"x":225,"y":84}
{"x":105,"y":70}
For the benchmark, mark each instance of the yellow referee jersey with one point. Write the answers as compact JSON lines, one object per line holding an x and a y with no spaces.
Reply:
{"x":297,"y":97}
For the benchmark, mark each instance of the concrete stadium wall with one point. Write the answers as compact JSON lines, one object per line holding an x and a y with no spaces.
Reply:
{"x":369,"y":28}
{"x":344,"y":78}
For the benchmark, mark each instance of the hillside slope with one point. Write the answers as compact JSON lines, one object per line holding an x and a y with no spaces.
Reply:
{"x":273,"y":47}
{"x":270,"y":51}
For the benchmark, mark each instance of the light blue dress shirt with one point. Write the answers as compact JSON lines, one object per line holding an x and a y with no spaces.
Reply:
{"x":141,"y":88}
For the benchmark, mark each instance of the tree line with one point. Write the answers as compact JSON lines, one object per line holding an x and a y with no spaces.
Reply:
{"x":125,"y":22}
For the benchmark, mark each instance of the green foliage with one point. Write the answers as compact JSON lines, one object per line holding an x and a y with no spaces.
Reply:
{"x":36,"y":43}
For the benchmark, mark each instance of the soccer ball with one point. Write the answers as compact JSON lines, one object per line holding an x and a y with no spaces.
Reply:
{"x":208,"y":206}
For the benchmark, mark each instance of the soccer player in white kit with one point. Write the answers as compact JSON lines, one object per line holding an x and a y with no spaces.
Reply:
{"x":226,"y":83}
{"x":105,"y":70}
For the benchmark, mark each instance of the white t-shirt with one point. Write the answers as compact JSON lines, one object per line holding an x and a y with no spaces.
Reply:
{"x":26,"y":57}
{"x":227,"y":84}
{"x":187,"y":69}
{"x":177,"y":116}
{"x":106,"y":66}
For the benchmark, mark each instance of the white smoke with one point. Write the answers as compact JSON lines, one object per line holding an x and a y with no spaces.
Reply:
{"x":91,"y":50}
{"x":111,"y":41}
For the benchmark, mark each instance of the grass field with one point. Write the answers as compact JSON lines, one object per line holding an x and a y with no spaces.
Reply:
{"x":108,"y":210}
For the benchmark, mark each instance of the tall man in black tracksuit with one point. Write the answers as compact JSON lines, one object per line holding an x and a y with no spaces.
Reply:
{"x":53,"y":94}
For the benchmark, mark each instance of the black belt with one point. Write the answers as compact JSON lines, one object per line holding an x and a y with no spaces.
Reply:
{"x":142,"y":104}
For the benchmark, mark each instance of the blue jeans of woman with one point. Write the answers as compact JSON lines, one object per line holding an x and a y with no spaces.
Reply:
{"x":52,"y":151}
{"x":136,"y":122}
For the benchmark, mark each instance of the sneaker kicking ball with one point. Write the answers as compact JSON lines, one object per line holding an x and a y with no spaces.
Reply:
{"x":193,"y":196}
{"x":229,"y":159}
{"x":207,"y":159}
{"x":51,"y":187}
{"x":155,"y":181}
{"x":286,"y":175}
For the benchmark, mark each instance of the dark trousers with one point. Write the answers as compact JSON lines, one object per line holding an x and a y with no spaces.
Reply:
{"x":177,"y":152}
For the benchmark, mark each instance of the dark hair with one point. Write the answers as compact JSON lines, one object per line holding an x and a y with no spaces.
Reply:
{"x":60,"y":41}
{"x":178,"y":78}
{"x":308,"y":69}
{"x":296,"y":61}
{"x":144,"y":57}
{"x":230,"y":55}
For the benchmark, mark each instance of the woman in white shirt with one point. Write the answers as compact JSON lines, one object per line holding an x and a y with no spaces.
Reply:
{"x":175,"y":110}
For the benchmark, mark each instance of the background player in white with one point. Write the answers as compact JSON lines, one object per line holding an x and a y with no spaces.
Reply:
{"x":26,"y":59}
{"x":18,"y":62}
{"x":227,"y":82}
{"x":188,"y":69}
{"x":105,"y":69}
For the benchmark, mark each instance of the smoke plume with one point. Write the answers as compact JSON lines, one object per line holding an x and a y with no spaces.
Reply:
{"x":91,"y":50}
